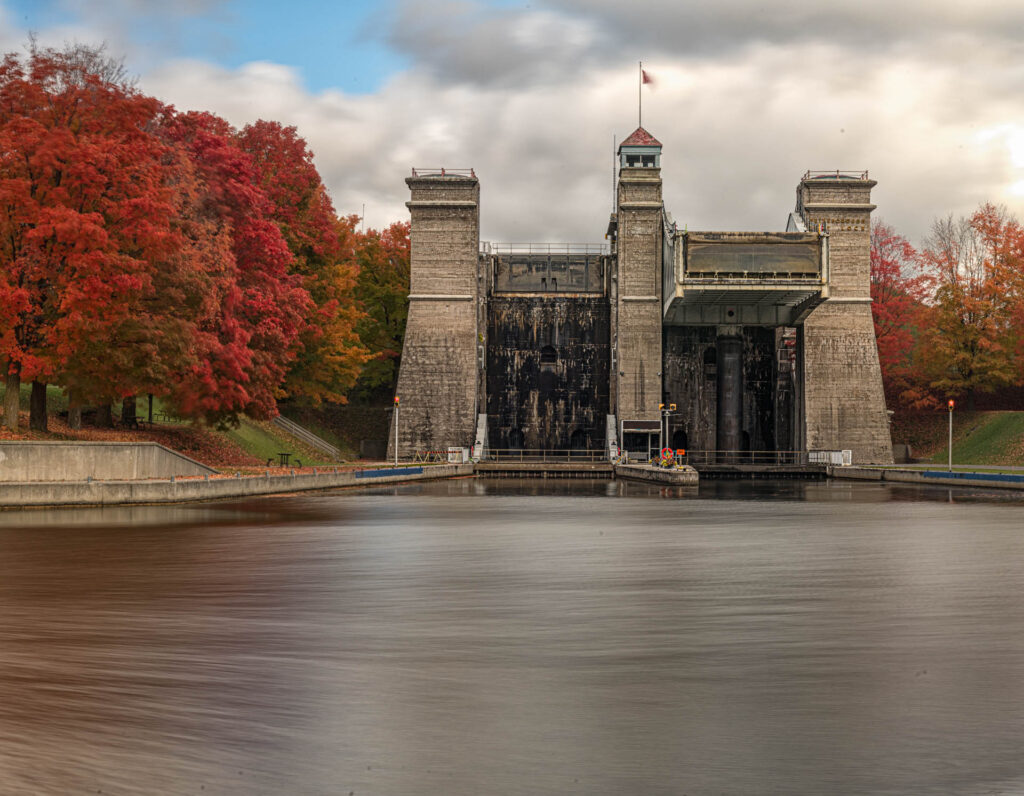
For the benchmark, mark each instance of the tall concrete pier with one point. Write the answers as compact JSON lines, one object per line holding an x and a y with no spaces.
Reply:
{"x":437,"y":382}
{"x":845,"y":404}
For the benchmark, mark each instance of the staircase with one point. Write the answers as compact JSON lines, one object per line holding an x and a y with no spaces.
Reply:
{"x":307,"y":437}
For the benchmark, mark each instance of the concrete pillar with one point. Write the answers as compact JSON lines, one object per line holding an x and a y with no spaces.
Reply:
{"x":843,"y":398}
{"x":729,"y":414}
{"x":438,"y":379}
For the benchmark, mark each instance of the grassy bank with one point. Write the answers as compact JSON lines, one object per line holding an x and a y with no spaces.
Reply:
{"x":978,"y":437}
{"x":250,"y":445}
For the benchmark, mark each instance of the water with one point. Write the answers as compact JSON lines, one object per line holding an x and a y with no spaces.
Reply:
{"x":473,"y":637}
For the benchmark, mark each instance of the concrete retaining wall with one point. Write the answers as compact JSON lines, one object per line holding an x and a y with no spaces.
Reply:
{"x":76,"y":461}
{"x":938,"y":477}
{"x":116,"y":492}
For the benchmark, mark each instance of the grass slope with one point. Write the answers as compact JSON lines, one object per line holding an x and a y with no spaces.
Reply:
{"x":978,"y":437}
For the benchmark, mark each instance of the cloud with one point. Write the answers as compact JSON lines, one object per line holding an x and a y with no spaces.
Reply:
{"x":532,"y":97}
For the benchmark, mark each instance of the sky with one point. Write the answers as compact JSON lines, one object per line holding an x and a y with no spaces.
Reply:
{"x":927,"y":95}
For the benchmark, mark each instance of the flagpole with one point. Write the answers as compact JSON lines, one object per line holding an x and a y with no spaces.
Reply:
{"x":640,"y":95}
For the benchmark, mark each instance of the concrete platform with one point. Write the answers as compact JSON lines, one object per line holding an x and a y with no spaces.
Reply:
{"x":674,"y":476}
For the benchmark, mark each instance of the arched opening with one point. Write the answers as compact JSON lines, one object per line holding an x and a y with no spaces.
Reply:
{"x":515,"y":439}
{"x":578,"y":441}
{"x":548,"y":355}
{"x":679,"y":439}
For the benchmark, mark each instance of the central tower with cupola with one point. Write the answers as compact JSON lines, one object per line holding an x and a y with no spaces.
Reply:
{"x":638,"y":236}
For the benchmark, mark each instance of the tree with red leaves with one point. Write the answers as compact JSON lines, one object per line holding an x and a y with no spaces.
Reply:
{"x":85,"y":219}
{"x":329,"y":356}
{"x":898,"y":292}
{"x":246,"y":347}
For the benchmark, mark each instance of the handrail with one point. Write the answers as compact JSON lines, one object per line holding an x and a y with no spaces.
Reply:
{"x":836,"y":174}
{"x":443,"y":172}
{"x":545,"y":455}
{"x":544,"y":248}
{"x":708,"y":457}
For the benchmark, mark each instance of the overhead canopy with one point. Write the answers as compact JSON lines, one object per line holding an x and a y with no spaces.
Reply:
{"x":746,"y":278}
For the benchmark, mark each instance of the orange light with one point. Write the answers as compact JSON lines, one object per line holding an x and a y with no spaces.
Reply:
{"x":951,"y":403}
{"x":396,"y":400}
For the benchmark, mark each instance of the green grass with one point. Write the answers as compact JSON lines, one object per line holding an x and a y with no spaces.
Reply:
{"x":986,"y":438}
{"x":265,"y":444}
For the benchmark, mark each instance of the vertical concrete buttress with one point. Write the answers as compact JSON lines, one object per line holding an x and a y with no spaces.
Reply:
{"x":844,"y":403}
{"x":638,"y":294}
{"x":438,"y":379}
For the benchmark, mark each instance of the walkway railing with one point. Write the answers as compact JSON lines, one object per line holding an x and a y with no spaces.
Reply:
{"x":697,"y":458}
{"x":539,"y":455}
{"x":543,"y":248}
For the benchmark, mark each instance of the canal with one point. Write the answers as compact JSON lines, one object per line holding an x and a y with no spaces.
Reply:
{"x":509,"y":637}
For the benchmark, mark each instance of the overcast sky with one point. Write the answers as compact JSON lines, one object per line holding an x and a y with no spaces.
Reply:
{"x":927,"y":96}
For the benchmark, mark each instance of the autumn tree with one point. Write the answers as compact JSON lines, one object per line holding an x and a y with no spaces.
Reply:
{"x":247,"y":345}
{"x":84,"y":221}
{"x":898,"y":293}
{"x":383,"y":292}
{"x":329,"y":355}
{"x":971,"y":340}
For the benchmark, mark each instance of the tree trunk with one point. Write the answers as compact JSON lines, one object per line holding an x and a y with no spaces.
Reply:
{"x":74,"y":410}
{"x":104,"y":416}
{"x":151,"y":408}
{"x":12,"y":396}
{"x":37,"y":415}
{"x":128,"y":411}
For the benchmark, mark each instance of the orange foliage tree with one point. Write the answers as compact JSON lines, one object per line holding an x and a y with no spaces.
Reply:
{"x":329,"y":355}
{"x":974,"y":332}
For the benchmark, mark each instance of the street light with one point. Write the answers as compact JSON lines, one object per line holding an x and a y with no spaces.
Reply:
{"x":951,"y":404}
{"x":396,"y":431}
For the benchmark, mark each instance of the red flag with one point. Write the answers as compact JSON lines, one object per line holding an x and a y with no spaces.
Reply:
{"x":646,"y":78}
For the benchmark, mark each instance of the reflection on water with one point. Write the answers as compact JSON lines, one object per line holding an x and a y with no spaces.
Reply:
{"x":503,"y":636}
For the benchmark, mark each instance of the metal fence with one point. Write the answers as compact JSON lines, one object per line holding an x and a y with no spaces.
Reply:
{"x":539,"y":455}
{"x":697,"y":458}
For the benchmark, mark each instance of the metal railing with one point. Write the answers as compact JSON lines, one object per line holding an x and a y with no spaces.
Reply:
{"x":443,"y":172}
{"x":307,"y":436}
{"x":541,"y":455}
{"x":836,"y":174}
{"x":696,"y":458}
{"x":543,"y":248}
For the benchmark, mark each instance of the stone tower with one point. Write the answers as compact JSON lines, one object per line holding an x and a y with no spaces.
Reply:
{"x":844,"y":401}
{"x":637,"y":308}
{"x":437,"y":383}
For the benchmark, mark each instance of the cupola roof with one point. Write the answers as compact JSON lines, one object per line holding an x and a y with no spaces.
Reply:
{"x":640,"y":137}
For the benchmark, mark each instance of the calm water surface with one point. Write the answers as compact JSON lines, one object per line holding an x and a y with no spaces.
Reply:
{"x":499,"y":637}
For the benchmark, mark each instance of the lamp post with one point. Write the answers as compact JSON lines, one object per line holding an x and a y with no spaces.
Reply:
{"x":951,"y":404}
{"x":396,"y":431}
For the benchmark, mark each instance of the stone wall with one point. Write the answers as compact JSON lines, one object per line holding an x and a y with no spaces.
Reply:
{"x":78,"y":461}
{"x":547,"y":372}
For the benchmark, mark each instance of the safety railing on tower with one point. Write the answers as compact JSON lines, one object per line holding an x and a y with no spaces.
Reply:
{"x":836,"y":174}
{"x":443,"y":172}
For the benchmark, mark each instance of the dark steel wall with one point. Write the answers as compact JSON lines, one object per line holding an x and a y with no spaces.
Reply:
{"x":547,"y":372}
{"x":691,"y":362}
